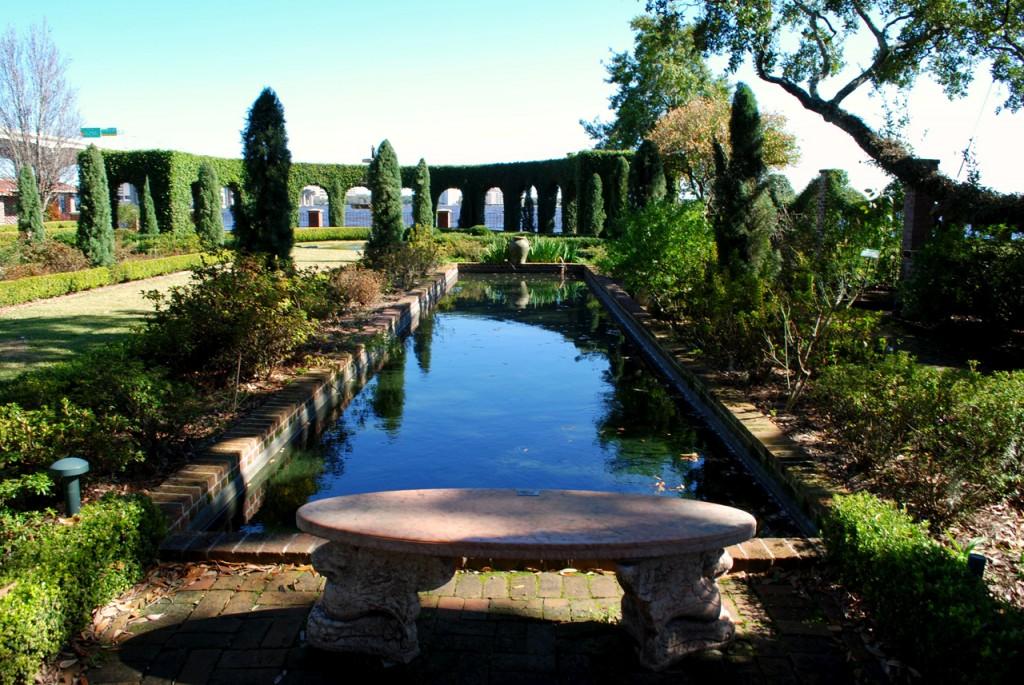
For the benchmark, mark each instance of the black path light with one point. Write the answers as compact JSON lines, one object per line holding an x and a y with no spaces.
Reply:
{"x":66,"y":472}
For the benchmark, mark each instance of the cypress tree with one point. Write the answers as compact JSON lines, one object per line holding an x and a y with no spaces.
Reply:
{"x":266,"y":165}
{"x":593,"y":219}
{"x":618,"y":195}
{"x":422,"y":205}
{"x":744,"y":215}
{"x":647,"y":176}
{"x":336,"y":204}
{"x":95,"y":230}
{"x":385,"y":199}
{"x":30,"y":212}
{"x":147,"y":212}
{"x":209,"y":221}
{"x":526,"y":218}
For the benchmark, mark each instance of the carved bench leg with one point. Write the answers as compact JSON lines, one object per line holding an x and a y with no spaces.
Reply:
{"x":370,"y":602}
{"x":672,"y":606}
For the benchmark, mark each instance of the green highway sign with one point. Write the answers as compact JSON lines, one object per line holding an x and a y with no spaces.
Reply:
{"x":91,"y":132}
{"x":109,"y":132}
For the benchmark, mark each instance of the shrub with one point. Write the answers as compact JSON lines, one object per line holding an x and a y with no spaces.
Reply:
{"x":358,"y":285}
{"x":128,"y":216}
{"x":264,"y":223}
{"x":95,"y":230}
{"x":165,"y":244}
{"x":310,"y":235}
{"x":422,"y":205}
{"x":593,"y":210}
{"x":56,"y":575}
{"x":646,"y":176}
{"x":407,"y":261}
{"x":663,"y":254}
{"x":147,"y":212}
{"x":945,"y":441}
{"x":28,"y":209}
{"x":54,"y":256}
{"x":385,"y":181}
{"x":922,"y":595}
{"x":462,"y":248}
{"x":209,"y":221}
{"x":235,"y":319}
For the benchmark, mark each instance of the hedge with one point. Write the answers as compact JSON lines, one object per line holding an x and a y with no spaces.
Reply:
{"x":64,"y":235}
{"x":52,"y":285}
{"x":56,"y":575}
{"x":174,"y":177}
{"x":309,"y":235}
{"x":924,"y":599}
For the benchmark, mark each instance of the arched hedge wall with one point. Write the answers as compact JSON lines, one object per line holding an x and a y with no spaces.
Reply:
{"x":172,"y":176}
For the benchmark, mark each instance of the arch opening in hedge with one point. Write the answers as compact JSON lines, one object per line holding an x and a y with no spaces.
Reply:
{"x":407,"y":195}
{"x":313,"y":206}
{"x":494,"y":208}
{"x":127,"y":207}
{"x":357,"y":207}
{"x":448,"y":204}
{"x":528,"y":210}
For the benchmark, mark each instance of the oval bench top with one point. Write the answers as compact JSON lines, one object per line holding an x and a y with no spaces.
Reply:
{"x":530,"y":524}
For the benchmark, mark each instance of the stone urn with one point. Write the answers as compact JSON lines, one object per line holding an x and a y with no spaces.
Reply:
{"x":518,"y":249}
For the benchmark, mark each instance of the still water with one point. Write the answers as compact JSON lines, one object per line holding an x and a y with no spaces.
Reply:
{"x":514,"y":384}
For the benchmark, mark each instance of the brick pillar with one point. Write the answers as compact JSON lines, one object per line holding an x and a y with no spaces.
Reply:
{"x":918,"y":221}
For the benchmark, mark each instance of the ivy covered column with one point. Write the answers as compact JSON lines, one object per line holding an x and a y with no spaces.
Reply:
{"x":570,"y":209}
{"x":547,"y":198}
{"x":513,"y":211}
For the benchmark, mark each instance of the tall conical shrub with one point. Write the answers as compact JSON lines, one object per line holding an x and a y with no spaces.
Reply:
{"x":209,"y":221}
{"x":422,"y":204}
{"x":618,"y":196}
{"x":336,"y":204}
{"x":647,"y":176}
{"x":526,"y":219}
{"x":266,"y":164}
{"x":593,"y":219}
{"x":147,"y":212}
{"x":95,"y":229}
{"x":385,"y":178}
{"x":744,"y":216}
{"x":30,"y":212}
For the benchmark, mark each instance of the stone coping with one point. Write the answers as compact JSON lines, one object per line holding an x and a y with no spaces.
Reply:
{"x":518,"y":524}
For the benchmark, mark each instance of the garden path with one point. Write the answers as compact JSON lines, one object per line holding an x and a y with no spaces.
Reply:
{"x":53,"y":330}
{"x":224,"y":623}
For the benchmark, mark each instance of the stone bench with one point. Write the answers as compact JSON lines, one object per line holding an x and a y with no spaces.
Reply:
{"x":385,"y":547}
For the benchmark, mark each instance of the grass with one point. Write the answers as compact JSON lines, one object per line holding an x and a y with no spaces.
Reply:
{"x":49,"y":331}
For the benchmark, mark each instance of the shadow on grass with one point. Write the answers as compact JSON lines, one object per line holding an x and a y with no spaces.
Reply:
{"x":42,"y":340}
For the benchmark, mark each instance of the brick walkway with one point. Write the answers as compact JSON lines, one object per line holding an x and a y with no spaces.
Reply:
{"x":246,"y":625}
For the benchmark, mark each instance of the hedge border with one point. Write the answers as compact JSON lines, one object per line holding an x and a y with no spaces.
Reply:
{"x":32,"y":288}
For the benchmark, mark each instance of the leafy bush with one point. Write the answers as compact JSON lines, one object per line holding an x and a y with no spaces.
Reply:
{"x":105,"y":406}
{"x":55,"y":575}
{"x":404,"y":262}
{"x":128,"y":216}
{"x":234,"y":319}
{"x":923,"y":597}
{"x":974,"y":276}
{"x":663,"y":254}
{"x":945,"y":441}
{"x":44,"y":257}
{"x":457,"y":247}
{"x":164,"y":244}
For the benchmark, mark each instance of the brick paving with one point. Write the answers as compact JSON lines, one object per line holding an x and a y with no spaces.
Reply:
{"x":246,"y":625}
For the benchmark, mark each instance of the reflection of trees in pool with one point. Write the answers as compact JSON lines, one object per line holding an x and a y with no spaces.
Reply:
{"x":389,"y":393}
{"x":291,"y":487}
{"x":422,"y":340}
{"x":643,"y":428}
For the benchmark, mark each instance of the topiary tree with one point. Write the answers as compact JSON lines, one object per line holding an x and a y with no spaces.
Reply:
{"x":30,"y":213}
{"x":209,"y":221}
{"x":526,"y":217}
{"x":744,"y":216}
{"x":594,"y":216}
{"x":336,"y":203}
{"x":422,"y":206}
{"x":95,"y":230}
{"x":647,"y":176}
{"x":147,"y":212}
{"x":266,"y":211}
{"x":618,"y":196}
{"x":385,"y":179}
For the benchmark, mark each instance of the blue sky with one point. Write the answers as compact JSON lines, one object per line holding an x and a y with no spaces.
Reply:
{"x":454,"y":82}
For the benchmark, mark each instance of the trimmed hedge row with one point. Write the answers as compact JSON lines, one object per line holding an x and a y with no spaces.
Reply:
{"x":309,"y":235}
{"x":65,"y":235}
{"x":925,"y":600}
{"x":55,"y":575}
{"x":52,"y":285}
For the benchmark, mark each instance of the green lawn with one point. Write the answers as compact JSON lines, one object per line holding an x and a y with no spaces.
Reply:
{"x":53,"y":330}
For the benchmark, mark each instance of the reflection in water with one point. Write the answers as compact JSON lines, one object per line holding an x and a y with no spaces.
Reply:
{"x":531,"y":388}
